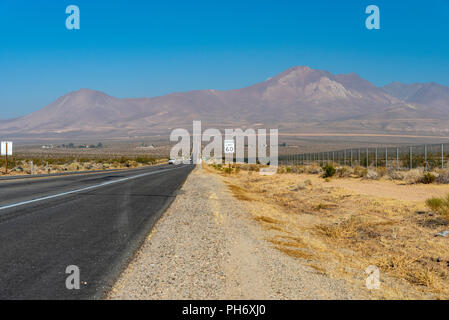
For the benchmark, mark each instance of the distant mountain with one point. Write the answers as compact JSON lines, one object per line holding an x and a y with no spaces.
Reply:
{"x":401,"y":90}
{"x":299,"y":99}
{"x":432,"y":96}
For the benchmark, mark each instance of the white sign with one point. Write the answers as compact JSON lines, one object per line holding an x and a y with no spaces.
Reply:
{"x":229,"y":146}
{"x":3,"y":148}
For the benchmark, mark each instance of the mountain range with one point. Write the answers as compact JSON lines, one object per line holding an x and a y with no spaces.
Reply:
{"x":298,"y":100}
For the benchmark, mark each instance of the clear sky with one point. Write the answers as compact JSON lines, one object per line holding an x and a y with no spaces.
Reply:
{"x":147,"y":48}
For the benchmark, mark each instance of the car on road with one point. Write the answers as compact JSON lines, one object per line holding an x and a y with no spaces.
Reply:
{"x":172,"y":161}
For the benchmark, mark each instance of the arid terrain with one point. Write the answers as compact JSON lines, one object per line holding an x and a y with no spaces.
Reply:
{"x":293,"y":236}
{"x":342,"y":225}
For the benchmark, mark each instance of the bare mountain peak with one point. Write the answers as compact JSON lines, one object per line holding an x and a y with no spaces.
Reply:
{"x":294,"y":97}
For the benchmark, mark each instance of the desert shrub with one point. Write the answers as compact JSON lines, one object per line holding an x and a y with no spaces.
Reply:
{"x":344,"y":172}
{"x":381,"y":171}
{"x":439,"y":205}
{"x":428,"y":178}
{"x":314,"y":169}
{"x":60,"y":161}
{"x":218,"y":166}
{"x":396,"y":175}
{"x":360,"y":172}
{"x":443,"y":176}
{"x":12,"y":162}
{"x":372,"y":175}
{"x":37,"y":161}
{"x":145,"y":160}
{"x":298,"y":169}
{"x":413,"y":176}
{"x":299,"y":186}
{"x":288,"y":169}
{"x":123,"y":160}
{"x":328,"y":171}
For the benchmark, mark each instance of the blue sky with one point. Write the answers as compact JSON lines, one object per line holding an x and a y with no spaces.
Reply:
{"x":147,"y":48}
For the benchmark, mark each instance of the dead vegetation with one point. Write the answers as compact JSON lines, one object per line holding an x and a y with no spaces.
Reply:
{"x":414,"y":176}
{"x":23,"y":165}
{"x":340,"y":232}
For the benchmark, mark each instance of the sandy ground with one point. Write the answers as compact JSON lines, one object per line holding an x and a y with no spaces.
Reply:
{"x":385,"y":189}
{"x":208,"y":246}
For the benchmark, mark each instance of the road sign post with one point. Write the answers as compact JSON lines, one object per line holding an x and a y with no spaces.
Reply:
{"x":229,"y":148}
{"x":6,"y":150}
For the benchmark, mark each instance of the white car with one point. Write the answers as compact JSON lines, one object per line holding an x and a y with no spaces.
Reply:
{"x":172,"y":161}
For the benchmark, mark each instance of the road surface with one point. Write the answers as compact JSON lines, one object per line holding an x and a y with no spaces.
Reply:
{"x":93,"y":221}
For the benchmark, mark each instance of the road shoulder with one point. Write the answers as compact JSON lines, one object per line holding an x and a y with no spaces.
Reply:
{"x":208,"y":246}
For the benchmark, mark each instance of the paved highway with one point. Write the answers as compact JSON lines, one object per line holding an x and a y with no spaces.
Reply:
{"x":94,"y":221}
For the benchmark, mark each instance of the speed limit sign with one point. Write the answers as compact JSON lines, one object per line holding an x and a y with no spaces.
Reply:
{"x":229,"y":146}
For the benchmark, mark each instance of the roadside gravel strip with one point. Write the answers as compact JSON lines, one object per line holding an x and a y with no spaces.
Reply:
{"x":206,"y":246}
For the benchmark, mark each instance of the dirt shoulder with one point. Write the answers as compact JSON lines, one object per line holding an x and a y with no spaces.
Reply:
{"x":211,"y":245}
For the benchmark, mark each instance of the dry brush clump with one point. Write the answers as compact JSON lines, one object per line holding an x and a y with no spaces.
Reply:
{"x":439,"y":206}
{"x":414,"y":176}
{"x":22,"y":165}
{"x":341,"y":233}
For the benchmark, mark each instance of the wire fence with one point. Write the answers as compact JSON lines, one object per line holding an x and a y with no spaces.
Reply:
{"x":429,"y":157}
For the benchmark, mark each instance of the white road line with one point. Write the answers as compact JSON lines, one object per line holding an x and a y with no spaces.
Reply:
{"x":84,"y":189}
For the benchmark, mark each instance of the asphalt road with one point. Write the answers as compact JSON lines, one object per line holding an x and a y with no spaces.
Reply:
{"x":93,"y":221}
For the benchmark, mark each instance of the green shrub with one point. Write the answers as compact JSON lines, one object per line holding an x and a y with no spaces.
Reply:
{"x":439,"y":205}
{"x":329,"y":171}
{"x":428,"y":178}
{"x":361,"y":172}
{"x":145,"y":160}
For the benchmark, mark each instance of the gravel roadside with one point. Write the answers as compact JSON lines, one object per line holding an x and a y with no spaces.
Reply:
{"x":207,"y":246}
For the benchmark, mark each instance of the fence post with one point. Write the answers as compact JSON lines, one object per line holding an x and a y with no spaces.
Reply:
{"x":386,"y":158}
{"x":344,"y":158}
{"x":367,"y":157}
{"x":397,"y":157}
{"x":359,"y":158}
{"x":425,"y":156}
{"x":442,"y":156}
{"x":411,"y":160}
{"x":376,"y":157}
{"x":333,"y":157}
{"x":351,"y":158}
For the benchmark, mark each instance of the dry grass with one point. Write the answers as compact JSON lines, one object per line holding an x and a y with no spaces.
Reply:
{"x":439,"y":206}
{"x":341,"y":232}
{"x":21,"y":166}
